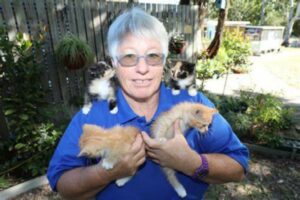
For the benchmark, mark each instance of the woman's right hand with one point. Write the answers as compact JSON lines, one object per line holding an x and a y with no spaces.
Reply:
{"x":130,"y":163}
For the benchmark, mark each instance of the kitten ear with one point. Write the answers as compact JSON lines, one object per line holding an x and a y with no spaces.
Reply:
{"x":214,"y":111}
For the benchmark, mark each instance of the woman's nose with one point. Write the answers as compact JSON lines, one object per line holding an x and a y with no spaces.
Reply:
{"x":142,"y":67}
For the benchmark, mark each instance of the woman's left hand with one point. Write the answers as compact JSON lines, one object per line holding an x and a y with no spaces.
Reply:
{"x":174,"y":153}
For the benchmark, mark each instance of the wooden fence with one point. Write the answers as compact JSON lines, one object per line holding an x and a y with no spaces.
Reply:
{"x":88,"y":19}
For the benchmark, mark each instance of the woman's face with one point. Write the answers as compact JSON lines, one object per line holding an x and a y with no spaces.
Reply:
{"x":141,"y":81}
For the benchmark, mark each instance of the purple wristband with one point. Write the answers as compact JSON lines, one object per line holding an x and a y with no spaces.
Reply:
{"x":201,"y":171}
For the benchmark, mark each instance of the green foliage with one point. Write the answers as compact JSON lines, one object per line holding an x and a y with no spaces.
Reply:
{"x":23,"y":98}
{"x":256,"y":117}
{"x":209,"y":68}
{"x":241,"y":10}
{"x":238,"y":49}
{"x":250,"y":10}
{"x":4,"y":182}
{"x":71,"y":50}
{"x":232,"y":55}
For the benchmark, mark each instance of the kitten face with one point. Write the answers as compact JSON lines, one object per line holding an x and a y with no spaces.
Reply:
{"x":201,"y":117}
{"x":181,"y":69}
{"x":100,"y":70}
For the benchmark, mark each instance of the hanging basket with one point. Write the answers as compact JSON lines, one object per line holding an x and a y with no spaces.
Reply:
{"x":73,"y":64}
{"x":73,"y":52}
{"x":177,"y":44}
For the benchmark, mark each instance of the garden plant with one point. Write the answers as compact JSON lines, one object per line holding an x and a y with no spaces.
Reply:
{"x":33,"y":134}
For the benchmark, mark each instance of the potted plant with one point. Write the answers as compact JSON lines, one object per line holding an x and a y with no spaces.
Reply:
{"x":177,"y":44}
{"x":73,"y":53}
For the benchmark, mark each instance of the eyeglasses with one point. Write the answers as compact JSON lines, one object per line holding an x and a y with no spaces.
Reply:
{"x":130,"y":60}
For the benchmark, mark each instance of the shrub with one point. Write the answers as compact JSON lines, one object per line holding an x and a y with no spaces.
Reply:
{"x":209,"y":68}
{"x":33,"y":133}
{"x":256,"y":117}
{"x":238,"y":49}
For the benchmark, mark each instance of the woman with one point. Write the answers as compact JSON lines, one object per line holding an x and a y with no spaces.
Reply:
{"x":138,"y":46}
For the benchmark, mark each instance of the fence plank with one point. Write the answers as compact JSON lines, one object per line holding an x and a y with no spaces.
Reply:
{"x":10,"y":22}
{"x":49,"y":61}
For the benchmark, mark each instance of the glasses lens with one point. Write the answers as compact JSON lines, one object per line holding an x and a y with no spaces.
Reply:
{"x":154,"y":59}
{"x":128,"y":60}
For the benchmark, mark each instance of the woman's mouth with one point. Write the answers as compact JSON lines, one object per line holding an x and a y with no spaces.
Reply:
{"x":142,"y":82}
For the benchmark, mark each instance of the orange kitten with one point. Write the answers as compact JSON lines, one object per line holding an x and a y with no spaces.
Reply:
{"x":109,"y":144}
{"x":190,"y":114}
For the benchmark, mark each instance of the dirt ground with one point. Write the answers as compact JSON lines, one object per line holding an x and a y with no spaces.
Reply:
{"x":274,"y":179}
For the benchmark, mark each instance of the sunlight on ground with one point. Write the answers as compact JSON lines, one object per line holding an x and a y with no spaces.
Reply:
{"x":285,"y":65}
{"x":260,"y":170}
{"x":249,"y":189}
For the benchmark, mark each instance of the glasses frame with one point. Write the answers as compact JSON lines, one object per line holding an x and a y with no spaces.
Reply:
{"x":138,"y":59}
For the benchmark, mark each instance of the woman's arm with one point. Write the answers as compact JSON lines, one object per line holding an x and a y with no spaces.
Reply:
{"x":177,"y":154}
{"x":86,"y":182}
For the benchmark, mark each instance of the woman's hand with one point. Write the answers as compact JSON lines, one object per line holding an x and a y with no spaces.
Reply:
{"x":174,"y":153}
{"x":130,"y":163}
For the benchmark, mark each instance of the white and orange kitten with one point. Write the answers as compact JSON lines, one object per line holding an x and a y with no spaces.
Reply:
{"x":190,"y":115}
{"x":109,"y":144}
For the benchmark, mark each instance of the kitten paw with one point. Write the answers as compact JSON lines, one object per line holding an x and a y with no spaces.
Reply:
{"x":106,"y":164}
{"x":175,"y":92}
{"x":180,"y":191}
{"x":86,"y":109}
{"x":114,"y":111}
{"x":192,"y":92}
{"x":122,"y":181}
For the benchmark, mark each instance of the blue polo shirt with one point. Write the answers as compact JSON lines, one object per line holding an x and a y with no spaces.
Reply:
{"x":149,"y":183}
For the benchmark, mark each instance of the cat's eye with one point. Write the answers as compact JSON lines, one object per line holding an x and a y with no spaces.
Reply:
{"x":130,"y":60}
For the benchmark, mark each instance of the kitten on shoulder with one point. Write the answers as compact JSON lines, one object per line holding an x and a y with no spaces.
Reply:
{"x":102,"y":85}
{"x":181,"y":75}
{"x":109,"y":144}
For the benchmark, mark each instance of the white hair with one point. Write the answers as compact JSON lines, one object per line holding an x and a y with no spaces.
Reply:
{"x":137,"y":22}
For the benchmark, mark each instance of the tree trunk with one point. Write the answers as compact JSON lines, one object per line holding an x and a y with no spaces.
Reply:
{"x":262,"y":13}
{"x":291,"y":20}
{"x":214,"y":46}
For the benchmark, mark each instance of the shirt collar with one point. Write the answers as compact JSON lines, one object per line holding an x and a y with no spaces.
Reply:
{"x":126,"y":114}
{"x":165,"y":101}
